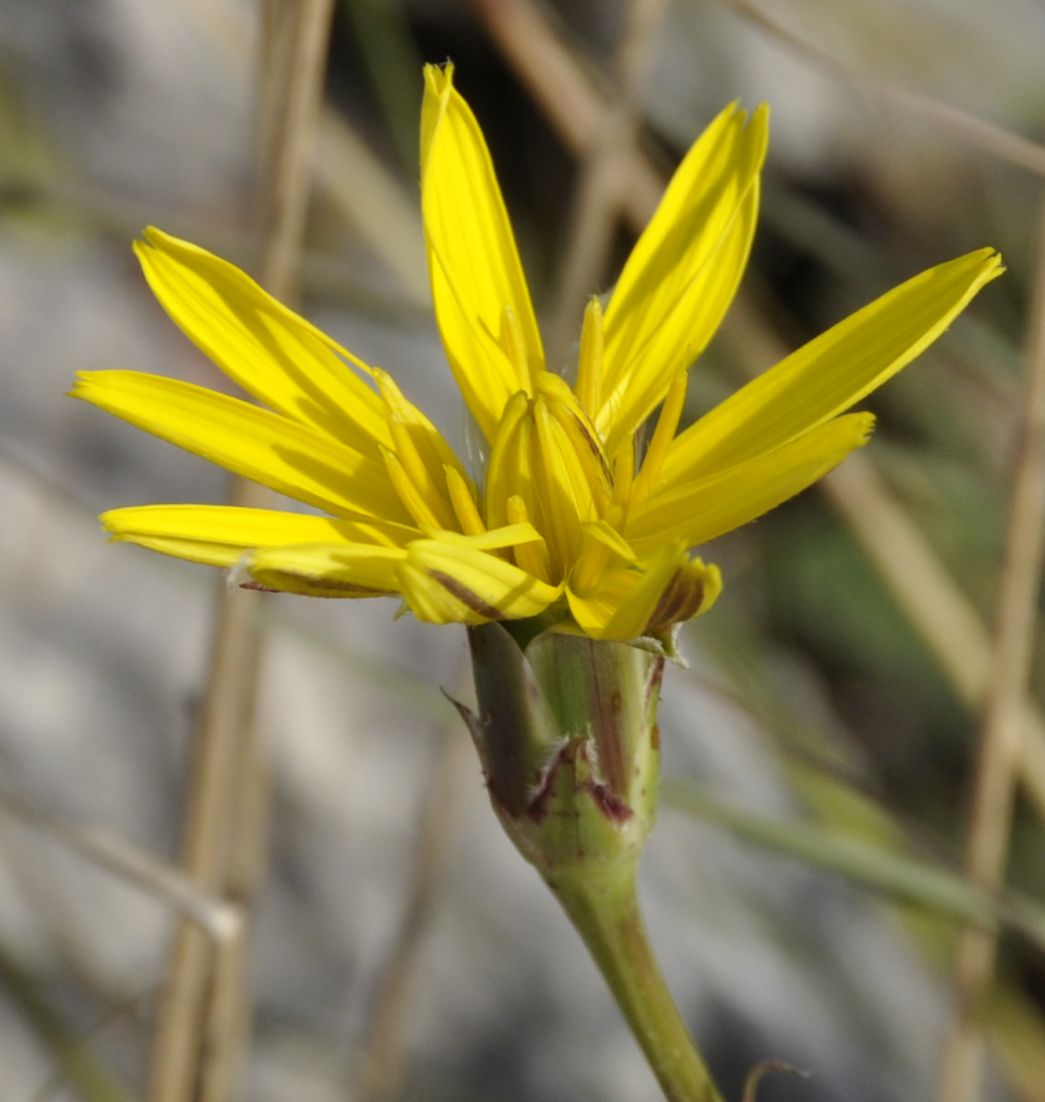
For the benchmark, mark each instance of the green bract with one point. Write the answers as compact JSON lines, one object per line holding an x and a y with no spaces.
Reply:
{"x":566,"y":730}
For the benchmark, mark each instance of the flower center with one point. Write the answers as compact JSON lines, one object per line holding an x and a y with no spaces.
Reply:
{"x":547,"y":466}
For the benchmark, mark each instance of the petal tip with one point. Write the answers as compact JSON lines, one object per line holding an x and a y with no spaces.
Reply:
{"x":760,"y":116}
{"x":110,"y":524}
{"x":81,"y":384}
{"x":987,"y":263}
{"x":439,"y":77}
{"x":863,"y":427}
{"x":151,"y":237}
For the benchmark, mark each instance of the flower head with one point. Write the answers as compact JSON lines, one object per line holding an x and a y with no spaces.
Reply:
{"x":580,"y":517}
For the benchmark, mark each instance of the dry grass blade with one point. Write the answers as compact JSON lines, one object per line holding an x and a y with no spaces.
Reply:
{"x":565,"y":94}
{"x":1003,"y":720}
{"x":219,"y":924}
{"x":293,"y":61}
{"x":599,"y":195}
{"x":376,"y":205}
{"x":967,"y":128}
{"x":204,"y":1016}
{"x":217,"y":918}
{"x":382,"y":1055}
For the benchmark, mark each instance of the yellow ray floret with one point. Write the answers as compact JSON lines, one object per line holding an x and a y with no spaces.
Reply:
{"x":683,"y":272}
{"x":220,"y":535}
{"x":571,"y":520}
{"x":275,"y":451}
{"x":284,"y":361}
{"x":701,"y":509}
{"x":482,"y":302}
{"x":834,"y":371}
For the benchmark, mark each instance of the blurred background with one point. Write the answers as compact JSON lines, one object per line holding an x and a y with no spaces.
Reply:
{"x":803,"y":885}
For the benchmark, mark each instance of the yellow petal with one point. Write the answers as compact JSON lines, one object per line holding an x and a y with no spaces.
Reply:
{"x":608,"y":536}
{"x":448,"y":582}
{"x":422,"y":509}
{"x":832,"y":372}
{"x":683,"y":272}
{"x":272,"y":353}
{"x":589,"y":358}
{"x":531,"y":557}
{"x":462,"y":498}
{"x":700,"y":510}
{"x":220,"y":535}
{"x":494,"y":539}
{"x":421,"y":458}
{"x":428,"y":440}
{"x":318,"y":570}
{"x":601,"y":543}
{"x":621,"y":606}
{"x":561,"y":492}
{"x":508,"y":467}
{"x":473,"y":262}
{"x":269,"y":449}
{"x":660,"y":442}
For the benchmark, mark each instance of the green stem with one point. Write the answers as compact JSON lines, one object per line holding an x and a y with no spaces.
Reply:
{"x":604,"y":908}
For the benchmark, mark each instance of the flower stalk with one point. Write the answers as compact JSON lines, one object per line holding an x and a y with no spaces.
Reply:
{"x":606,"y":914}
{"x":566,"y":730}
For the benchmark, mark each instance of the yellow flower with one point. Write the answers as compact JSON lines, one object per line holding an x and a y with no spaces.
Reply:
{"x":574,"y":519}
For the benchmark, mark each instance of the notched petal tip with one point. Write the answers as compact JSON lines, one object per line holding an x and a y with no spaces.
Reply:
{"x":81,"y":387}
{"x":439,"y":74}
{"x":981,"y":267}
{"x":153,"y":239}
{"x":758,"y":133}
{"x":109,"y":521}
{"x":863,"y":427}
{"x":993,"y":263}
{"x":439,"y":86}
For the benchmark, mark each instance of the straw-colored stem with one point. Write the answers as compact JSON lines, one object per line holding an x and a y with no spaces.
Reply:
{"x":204,"y":1015}
{"x":219,"y":923}
{"x":293,"y":63}
{"x":382,"y":1056}
{"x":566,"y":95}
{"x":1002,"y":735}
{"x":974,"y":131}
{"x":605,"y":911}
{"x":380,"y":211}
{"x":217,"y":754}
{"x":598,"y":200}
